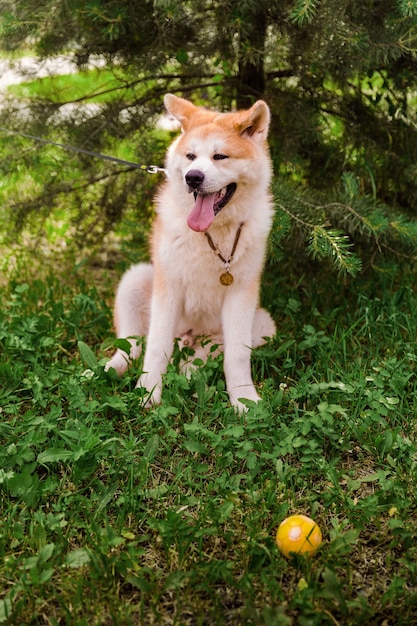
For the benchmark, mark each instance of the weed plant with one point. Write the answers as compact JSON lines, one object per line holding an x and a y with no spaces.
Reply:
{"x":114,"y":514}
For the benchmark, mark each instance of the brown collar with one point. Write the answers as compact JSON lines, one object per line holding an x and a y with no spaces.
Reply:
{"x":226,"y":278}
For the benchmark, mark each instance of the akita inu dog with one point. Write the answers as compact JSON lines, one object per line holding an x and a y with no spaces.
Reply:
{"x":214,"y":213}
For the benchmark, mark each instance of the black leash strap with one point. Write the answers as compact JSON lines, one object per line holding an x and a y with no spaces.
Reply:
{"x":150,"y":169}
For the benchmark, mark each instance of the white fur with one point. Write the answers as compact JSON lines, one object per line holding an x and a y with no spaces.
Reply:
{"x":180,"y":295}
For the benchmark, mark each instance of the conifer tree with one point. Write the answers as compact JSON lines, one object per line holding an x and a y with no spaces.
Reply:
{"x":340,"y":77}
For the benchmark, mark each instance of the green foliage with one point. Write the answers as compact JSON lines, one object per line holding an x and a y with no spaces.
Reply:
{"x":408,"y":8}
{"x":304,"y":11}
{"x":346,"y":230}
{"x":114,"y":513}
{"x":333,"y":245}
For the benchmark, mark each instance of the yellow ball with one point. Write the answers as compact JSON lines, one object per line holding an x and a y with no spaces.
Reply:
{"x":298,"y":534}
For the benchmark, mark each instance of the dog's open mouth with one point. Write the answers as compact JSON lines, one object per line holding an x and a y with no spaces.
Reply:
{"x":207,"y":206}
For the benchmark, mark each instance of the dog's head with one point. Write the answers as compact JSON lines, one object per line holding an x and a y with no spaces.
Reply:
{"x":218,"y":156}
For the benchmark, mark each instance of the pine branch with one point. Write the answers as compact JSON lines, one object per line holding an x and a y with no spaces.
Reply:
{"x":326,"y":243}
{"x":304,"y":11}
{"x":330,"y":229}
{"x":408,"y":8}
{"x":335,"y":246}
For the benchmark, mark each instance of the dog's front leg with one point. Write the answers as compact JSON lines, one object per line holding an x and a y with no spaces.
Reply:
{"x":160,"y":343}
{"x":237,"y":317}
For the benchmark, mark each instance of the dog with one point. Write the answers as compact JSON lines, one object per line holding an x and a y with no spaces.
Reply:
{"x":208,"y":246}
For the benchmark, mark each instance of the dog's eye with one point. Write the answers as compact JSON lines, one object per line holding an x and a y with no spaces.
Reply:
{"x":190,"y":156}
{"x":220,"y":157}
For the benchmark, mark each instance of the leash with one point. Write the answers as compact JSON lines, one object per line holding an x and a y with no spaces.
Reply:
{"x":150,"y":169}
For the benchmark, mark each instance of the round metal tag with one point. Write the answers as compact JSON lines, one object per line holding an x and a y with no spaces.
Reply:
{"x":226,"y":279}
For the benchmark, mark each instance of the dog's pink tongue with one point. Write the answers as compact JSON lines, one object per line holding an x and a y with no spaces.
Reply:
{"x":202,"y":214}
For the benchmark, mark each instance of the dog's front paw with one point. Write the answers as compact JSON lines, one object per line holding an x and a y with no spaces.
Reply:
{"x":153,"y":388}
{"x":246,"y":393}
{"x":118,"y":362}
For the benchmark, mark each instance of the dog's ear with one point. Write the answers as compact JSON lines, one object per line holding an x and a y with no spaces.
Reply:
{"x":182,"y":110}
{"x":254,"y":122}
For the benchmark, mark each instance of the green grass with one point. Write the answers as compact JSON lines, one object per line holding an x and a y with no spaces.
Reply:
{"x":113,"y":514}
{"x":94,"y":85}
{"x":16,"y":54}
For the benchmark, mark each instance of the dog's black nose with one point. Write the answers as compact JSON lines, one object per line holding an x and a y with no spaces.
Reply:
{"x":194,"y":179}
